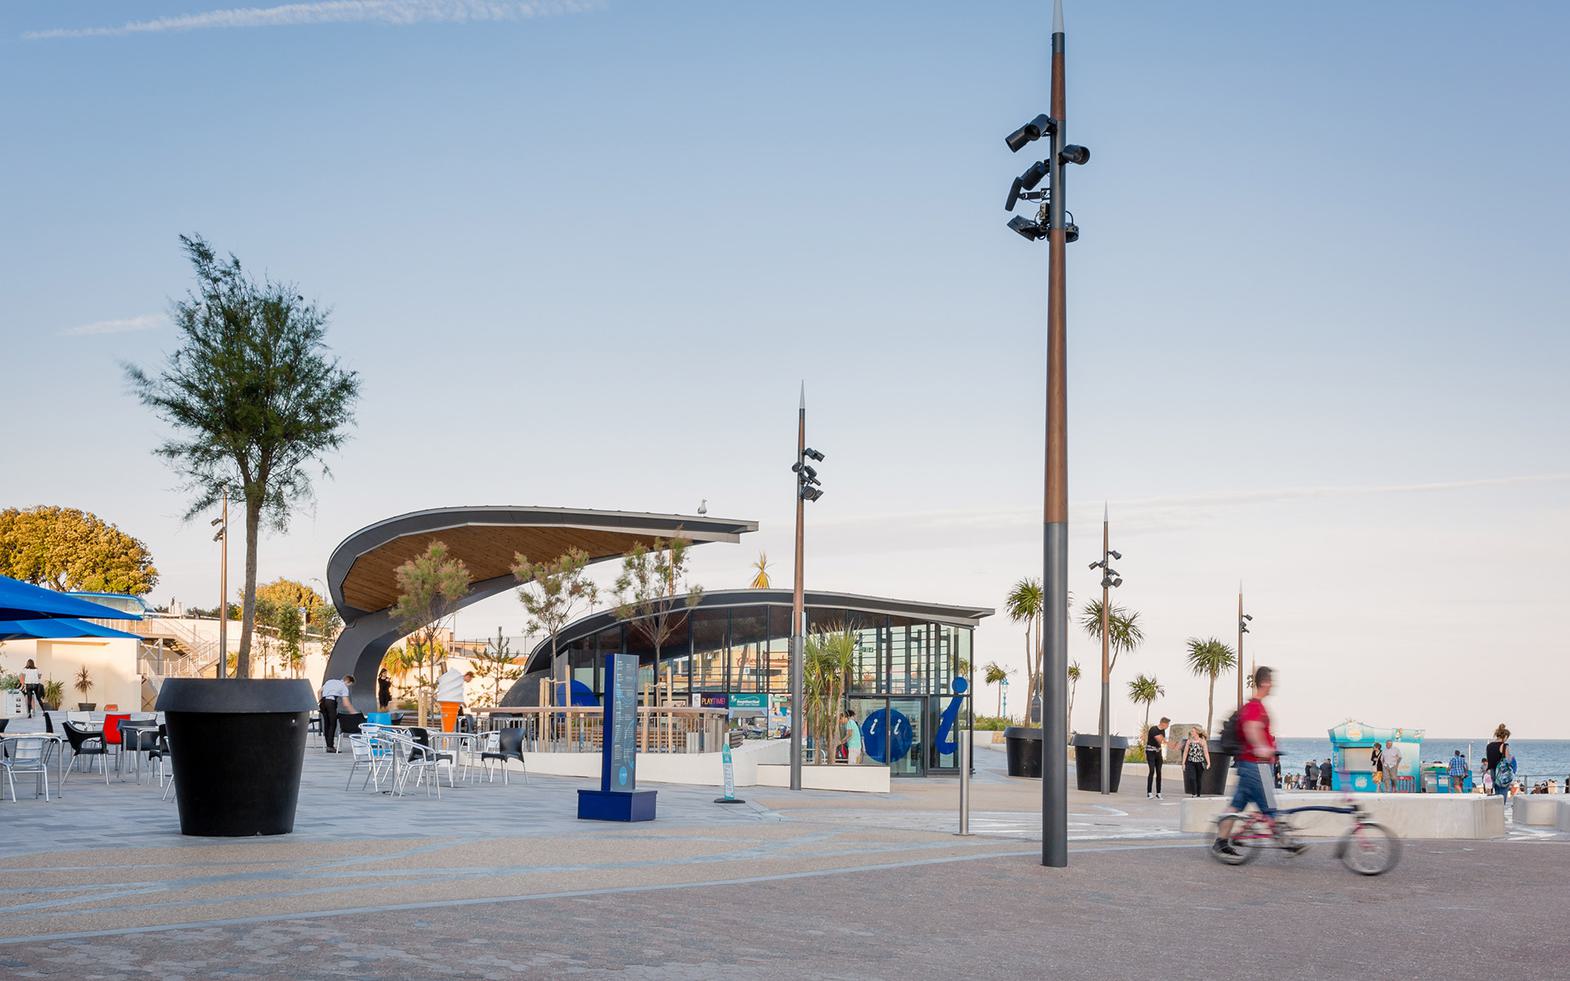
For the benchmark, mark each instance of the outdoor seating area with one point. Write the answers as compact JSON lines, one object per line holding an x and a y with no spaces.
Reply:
{"x":394,"y":757}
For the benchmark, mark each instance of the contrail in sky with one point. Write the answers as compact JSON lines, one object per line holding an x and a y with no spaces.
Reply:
{"x":396,"y":13}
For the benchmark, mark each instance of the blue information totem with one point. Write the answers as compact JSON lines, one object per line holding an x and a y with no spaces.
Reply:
{"x":618,"y":798}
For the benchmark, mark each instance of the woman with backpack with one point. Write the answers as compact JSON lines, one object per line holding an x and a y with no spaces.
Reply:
{"x":1500,"y":764}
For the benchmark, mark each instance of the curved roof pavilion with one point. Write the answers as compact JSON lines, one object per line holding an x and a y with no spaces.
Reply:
{"x":361,"y":573}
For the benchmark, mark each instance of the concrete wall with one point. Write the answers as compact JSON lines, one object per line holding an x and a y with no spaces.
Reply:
{"x":110,"y":663}
{"x":857,"y":779}
{"x":1407,"y":815}
{"x":1543,"y":810}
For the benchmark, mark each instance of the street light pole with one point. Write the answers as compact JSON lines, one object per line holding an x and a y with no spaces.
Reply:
{"x":808,"y":488}
{"x":1109,"y":581}
{"x":797,"y":604}
{"x":223,"y":587}
{"x":1051,"y":223}
{"x":1054,"y":734}
{"x":1242,"y":628}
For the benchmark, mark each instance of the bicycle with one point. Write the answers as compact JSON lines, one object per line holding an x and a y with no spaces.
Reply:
{"x":1368,"y":848}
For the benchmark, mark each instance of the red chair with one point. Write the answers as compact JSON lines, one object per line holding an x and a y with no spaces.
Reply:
{"x":113,"y":737}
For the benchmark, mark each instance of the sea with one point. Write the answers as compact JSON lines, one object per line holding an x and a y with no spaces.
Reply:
{"x":1539,"y":759}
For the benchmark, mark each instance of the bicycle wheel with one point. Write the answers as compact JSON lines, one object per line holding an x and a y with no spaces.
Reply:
{"x":1369,"y":849}
{"x":1237,"y":837}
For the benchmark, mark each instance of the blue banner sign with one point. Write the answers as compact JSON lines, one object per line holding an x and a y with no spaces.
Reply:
{"x":619,"y":767}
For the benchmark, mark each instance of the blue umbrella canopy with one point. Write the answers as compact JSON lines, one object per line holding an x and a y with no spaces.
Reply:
{"x":24,"y":601}
{"x":55,"y":628}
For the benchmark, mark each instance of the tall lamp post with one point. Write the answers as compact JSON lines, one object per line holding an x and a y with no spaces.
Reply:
{"x":1242,"y":628}
{"x":222,"y":523}
{"x":808,"y":488}
{"x":1051,"y":223}
{"x":1109,"y":580}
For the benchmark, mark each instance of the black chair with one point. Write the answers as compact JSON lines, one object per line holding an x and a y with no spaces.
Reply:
{"x":85,"y":742}
{"x":349,"y":723}
{"x":7,"y":721}
{"x":137,"y":739}
{"x":422,"y":736}
{"x":509,"y":746}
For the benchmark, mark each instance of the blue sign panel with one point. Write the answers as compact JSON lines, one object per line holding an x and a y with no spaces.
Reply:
{"x":619,"y":766}
{"x":876,"y":741}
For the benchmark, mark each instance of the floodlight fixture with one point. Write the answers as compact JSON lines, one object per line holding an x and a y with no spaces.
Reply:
{"x":1035,"y":175}
{"x":1074,"y":154}
{"x":1116,"y":554}
{"x":812,"y":454}
{"x":216,"y":522}
{"x":810,"y":493}
{"x":219,"y":536}
{"x":1071,"y":233}
{"x":1042,"y":125}
{"x":1029,"y":229}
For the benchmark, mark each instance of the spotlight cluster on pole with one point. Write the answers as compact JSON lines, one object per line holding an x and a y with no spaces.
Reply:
{"x":808,"y":488}
{"x":1042,"y":185}
{"x":1110,"y":580}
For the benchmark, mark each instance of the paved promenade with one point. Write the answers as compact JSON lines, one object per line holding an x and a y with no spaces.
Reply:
{"x":498,"y":880}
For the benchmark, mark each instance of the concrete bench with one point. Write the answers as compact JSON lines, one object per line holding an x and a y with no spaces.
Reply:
{"x":859,"y":779}
{"x":1543,"y":810}
{"x":1408,"y":815}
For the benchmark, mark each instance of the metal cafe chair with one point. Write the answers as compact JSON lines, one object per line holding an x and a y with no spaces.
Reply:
{"x":27,"y":754}
{"x":85,"y":742}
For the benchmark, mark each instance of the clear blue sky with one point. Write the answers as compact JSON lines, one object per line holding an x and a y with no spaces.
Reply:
{"x":584,"y":257}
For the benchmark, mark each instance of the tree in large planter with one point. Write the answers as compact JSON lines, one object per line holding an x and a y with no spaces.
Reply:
{"x":654,"y":598}
{"x":430,"y":586}
{"x":67,"y":549}
{"x":254,"y":397}
{"x":1208,"y":658}
{"x":828,"y":657}
{"x":551,"y":593}
{"x":83,"y":684}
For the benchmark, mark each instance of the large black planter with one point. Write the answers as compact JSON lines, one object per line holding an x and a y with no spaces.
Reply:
{"x":1087,"y":761}
{"x":1214,"y":782}
{"x":238,"y":747}
{"x":1023,"y":747}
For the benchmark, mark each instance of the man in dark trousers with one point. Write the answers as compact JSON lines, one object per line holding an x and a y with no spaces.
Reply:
{"x":335,"y":699}
{"x":1155,"y":749}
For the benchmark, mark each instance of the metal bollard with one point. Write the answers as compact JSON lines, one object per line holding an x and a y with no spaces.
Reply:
{"x":964,"y":783}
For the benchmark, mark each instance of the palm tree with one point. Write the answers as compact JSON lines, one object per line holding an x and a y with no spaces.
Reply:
{"x":1025,"y":604}
{"x":1145,"y":689}
{"x":826,"y":666}
{"x":995,"y":676}
{"x":1073,"y":683}
{"x":1209,"y":658}
{"x":761,"y":580}
{"x":1123,"y":634}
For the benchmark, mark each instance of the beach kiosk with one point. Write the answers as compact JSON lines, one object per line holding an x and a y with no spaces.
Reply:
{"x":1351,"y":755}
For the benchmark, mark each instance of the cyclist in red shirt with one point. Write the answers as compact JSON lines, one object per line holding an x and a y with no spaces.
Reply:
{"x":1256,"y":778}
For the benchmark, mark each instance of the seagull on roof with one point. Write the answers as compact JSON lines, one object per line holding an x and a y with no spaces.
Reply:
{"x":704,"y":507}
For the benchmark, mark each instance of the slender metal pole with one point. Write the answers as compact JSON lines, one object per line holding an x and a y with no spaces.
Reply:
{"x":223,"y":597}
{"x":1106,"y":664}
{"x":964,"y":784}
{"x":798,"y":715}
{"x":1240,"y":645}
{"x":1054,"y":734}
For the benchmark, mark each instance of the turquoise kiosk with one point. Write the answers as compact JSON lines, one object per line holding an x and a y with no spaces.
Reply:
{"x":1351,"y":755}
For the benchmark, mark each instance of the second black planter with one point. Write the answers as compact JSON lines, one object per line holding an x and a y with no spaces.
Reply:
{"x":1023,"y":747}
{"x":1214,"y":782}
{"x":238,"y":747}
{"x":1087,"y":761}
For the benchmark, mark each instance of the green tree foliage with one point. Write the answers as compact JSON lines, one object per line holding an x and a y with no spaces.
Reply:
{"x":430,"y":585}
{"x":254,"y":399}
{"x":996,"y":675}
{"x":497,"y":667}
{"x":1073,"y":686}
{"x":1208,"y":658}
{"x":67,"y":549}
{"x":1144,"y":690}
{"x":1026,"y":603}
{"x":653,"y":596}
{"x":1124,"y":632}
{"x":828,"y":657}
{"x":552,"y":591}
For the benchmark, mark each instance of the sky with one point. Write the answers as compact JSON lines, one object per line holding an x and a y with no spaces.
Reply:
{"x":584,"y":254}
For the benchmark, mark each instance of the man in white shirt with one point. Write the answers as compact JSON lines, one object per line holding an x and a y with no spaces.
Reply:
{"x":1392,"y":765}
{"x":450,"y":695}
{"x":335,"y":699}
